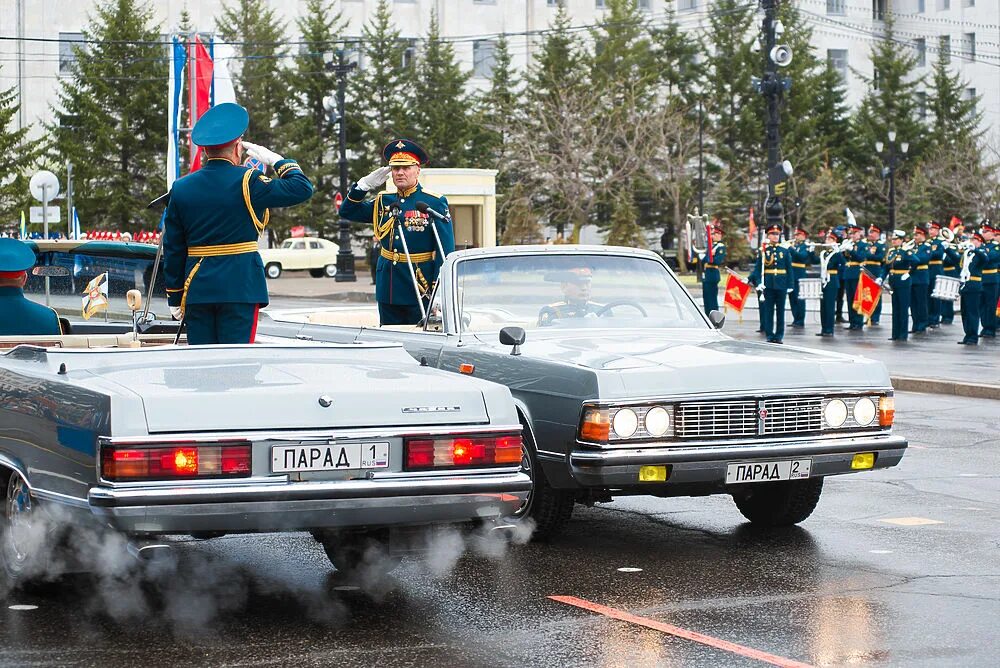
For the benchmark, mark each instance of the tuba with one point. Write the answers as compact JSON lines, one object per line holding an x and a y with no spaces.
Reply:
{"x":698,"y":238}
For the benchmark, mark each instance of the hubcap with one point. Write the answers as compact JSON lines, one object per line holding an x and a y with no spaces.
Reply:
{"x":526,"y":468}
{"x":18,"y":510}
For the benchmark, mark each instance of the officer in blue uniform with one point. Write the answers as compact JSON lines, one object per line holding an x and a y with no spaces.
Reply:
{"x":854,"y":256}
{"x":712,"y":265}
{"x":576,"y":288}
{"x":874,"y":257}
{"x":801,"y":259}
{"x":972,"y":289}
{"x":898,"y":263}
{"x":991,"y":281}
{"x":951,"y":267}
{"x":19,"y":316}
{"x":920,"y":276}
{"x":772,"y":276}
{"x":393,"y":214}
{"x":212,"y":270}
{"x":936,"y":266}
{"x":831,"y":274}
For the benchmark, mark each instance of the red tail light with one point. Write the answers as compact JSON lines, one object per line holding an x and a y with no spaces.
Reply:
{"x":471,"y":451}
{"x":175,"y":462}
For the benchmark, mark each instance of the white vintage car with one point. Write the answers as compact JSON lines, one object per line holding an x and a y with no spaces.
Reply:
{"x":316,"y":255}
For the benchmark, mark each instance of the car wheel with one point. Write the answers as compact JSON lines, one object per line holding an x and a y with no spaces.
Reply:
{"x":358,"y":555}
{"x":22,"y":538}
{"x":777,"y":504}
{"x":273,"y":270}
{"x":330,"y":270}
{"x":316,"y":273}
{"x":547,"y":508}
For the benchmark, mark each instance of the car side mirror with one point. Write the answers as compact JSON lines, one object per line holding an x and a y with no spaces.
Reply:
{"x":513,"y":336}
{"x":717,"y":318}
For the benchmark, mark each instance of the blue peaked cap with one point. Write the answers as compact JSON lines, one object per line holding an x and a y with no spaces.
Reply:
{"x":16,"y":255}
{"x":220,"y":125}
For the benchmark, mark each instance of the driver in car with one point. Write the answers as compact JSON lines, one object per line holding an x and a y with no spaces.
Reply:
{"x":19,"y":316}
{"x":576,"y":286}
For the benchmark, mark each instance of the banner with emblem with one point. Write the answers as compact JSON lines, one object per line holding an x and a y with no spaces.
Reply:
{"x":737,"y":291}
{"x":998,"y":308}
{"x":95,"y":296}
{"x":868,"y":294}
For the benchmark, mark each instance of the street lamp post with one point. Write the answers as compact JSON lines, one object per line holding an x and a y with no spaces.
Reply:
{"x":891,"y":159}
{"x":336,"y":110}
{"x":773,"y":87}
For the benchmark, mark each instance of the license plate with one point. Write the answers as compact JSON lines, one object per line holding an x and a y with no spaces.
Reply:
{"x":791,"y":469}
{"x":329,"y":457}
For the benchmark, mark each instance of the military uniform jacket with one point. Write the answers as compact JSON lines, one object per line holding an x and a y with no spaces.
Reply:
{"x":853,"y":261}
{"x":921,"y":273}
{"x":874,"y":255}
{"x":393,"y":282}
{"x":979,"y":261}
{"x":898,"y":264}
{"x":936,"y":260}
{"x":712,"y":270}
{"x":773,"y":268}
{"x":19,"y":316}
{"x":212,"y":223}
{"x":991,"y":272}
{"x":834,"y":270}
{"x":952,"y":261}
{"x":801,"y":259}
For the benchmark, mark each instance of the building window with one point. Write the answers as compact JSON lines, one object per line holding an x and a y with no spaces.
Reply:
{"x":687,"y":4}
{"x":944,"y":46}
{"x":921,"y":6}
{"x":69,"y":43}
{"x":943,"y":5}
{"x":410,"y":53}
{"x":878,"y":10}
{"x":600,"y":4}
{"x":483,"y":58}
{"x":922,"y":105}
{"x":555,"y":3}
{"x":970,"y":94}
{"x":352,"y":52}
{"x":968,"y":3}
{"x":970,"y":45}
{"x":838,"y":61}
{"x":644,"y":5}
{"x":837,"y":7}
{"x":920,"y":44}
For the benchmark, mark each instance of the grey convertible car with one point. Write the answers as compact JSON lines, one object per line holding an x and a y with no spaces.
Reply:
{"x":625,"y":387}
{"x":112,"y":425}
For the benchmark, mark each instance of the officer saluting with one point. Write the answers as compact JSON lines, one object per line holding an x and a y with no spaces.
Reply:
{"x":772,"y":276}
{"x":393,"y":214}
{"x":19,"y":316}
{"x":213,"y":272}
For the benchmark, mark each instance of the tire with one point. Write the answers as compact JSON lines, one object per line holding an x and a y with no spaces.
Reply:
{"x":547,"y":508}
{"x":330,"y":270}
{"x":273,"y":270}
{"x":22,"y":557}
{"x":358,"y":555}
{"x":778,"y":504}
{"x":316,"y":273}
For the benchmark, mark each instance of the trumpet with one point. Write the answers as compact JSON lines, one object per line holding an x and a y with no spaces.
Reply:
{"x":909,"y":245}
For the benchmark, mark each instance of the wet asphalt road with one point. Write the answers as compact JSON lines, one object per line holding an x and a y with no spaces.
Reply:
{"x":895,"y":567}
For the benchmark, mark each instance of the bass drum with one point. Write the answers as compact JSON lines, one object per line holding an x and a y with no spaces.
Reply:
{"x":810,"y":288}
{"x":946,"y":288}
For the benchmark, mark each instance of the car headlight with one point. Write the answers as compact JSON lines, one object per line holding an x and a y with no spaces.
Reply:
{"x":835,"y":413}
{"x":657,"y":421}
{"x":625,"y":423}
{"x":864,"y":411}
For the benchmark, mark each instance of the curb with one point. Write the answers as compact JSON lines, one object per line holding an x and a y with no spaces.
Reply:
{"x":951,"y":387}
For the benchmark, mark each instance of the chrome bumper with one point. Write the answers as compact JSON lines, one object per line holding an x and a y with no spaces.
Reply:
{"x":262,"y":505}
{"x":705,"y":465}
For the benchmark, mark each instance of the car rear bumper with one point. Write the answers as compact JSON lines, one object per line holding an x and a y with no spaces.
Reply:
{"x":704,"y":466}
{"x":263,"y":505}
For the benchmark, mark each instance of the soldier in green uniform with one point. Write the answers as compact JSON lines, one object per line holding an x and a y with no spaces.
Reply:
{"x":19,"y":316}
{"x":854,"y":255}
{"x":936,"y":266}
{"x":874,"y":257}
{"x":898,"y":263}
{"x":212,"y":270}
{"x":831,"y":266}
{"x":920,"y":276}
{"x":951,"y":267}
{"x":393,"y":215}
{"x":772,"y":276}
{"x":712,"y":261}
{"x":972,"y":289}
{"x":991,"y":281}
{"x":801,"y":259}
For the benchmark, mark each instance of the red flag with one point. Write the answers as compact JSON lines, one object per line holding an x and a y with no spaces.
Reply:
{"x":752,"y":230}
{"x":954,"y":222}
{"x":202,"y":68}
{"x":708,"y":242}
{"x":297,"y":231}
{"x":737,"y":291}
{"x":867,"y":295}
{"x":998,"y":308}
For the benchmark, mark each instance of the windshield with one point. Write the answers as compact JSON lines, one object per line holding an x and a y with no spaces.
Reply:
{"x":128,"y":267}
{"x":572,"y":290}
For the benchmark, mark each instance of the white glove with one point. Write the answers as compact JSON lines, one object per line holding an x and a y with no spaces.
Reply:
{"x":176,"y":312}
{"x":375,"y":179}
{"x":906,"y":276}
{"x":265,"y":155}
{"x":878,"y":281}
{"x":790,"y":290}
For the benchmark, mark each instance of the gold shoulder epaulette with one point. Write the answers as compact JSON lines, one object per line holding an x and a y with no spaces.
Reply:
{"x":432,"y":193}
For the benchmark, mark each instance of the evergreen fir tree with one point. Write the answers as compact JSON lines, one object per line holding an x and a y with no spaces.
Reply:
{"x":676,"y":52}
{"x":914,"y":200}
{"x":259,"y":76}
{"x":442,"y":122}
{"x":622,"y":54}
{"x":312,"y":140}
{"x":496,"y":111}
{"x":22,"y":153}
{"x":110,"y":117}
{"x":379,"y":91}
{"x":624,"y":229}
{"x":825,"y":199}
{"x":955,"y":118}
{"x":522,"y":222}
{"x":729,"y":202}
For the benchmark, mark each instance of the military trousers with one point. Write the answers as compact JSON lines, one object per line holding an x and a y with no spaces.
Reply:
{"x":772,"y":314}
{"x":221,"y":323}
{"x":970,"y":314}
{"x":877,"y":312}
{"x":856,"y":319}
{"x":920,"y":297}
{"x":988,"y":309}
{"x":798,"y":307}
{"x":827,"y":308}
{"x":947,"y":310}
{"x":933,"y":305}
{"x":396,"y":314}
{"x":901,"y":293}
{"x":710,"y":295}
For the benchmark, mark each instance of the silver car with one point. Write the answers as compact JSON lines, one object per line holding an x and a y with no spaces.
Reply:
{"x":113,"y":425}
{"x":625,"y":387}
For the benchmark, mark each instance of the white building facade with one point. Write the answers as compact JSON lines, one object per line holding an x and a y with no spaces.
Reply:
{"x":37,"y":35}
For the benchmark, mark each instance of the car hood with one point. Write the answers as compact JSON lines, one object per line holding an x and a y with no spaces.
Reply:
{"x":685,"y":361}
{"x":209,"y":388}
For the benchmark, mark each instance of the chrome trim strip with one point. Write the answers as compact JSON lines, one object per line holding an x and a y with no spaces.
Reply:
{"x":703,"y":445}
{"x":64,"y":499}
{"x":741,"y":394}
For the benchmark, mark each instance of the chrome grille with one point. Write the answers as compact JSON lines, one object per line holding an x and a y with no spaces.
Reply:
{"x":715,"y":419}
{"x":789,"y":416}
{"x":749,"y":417}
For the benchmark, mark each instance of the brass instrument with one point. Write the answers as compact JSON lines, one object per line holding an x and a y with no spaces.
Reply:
{"x":697,"y":233}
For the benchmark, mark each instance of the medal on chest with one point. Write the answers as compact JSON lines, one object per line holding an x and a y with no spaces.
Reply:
{"x":414,"y":221}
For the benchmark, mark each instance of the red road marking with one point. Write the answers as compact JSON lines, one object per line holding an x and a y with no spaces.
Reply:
{"x":621,"y":615}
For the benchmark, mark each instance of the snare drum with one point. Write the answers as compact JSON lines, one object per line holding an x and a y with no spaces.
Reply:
{"x":946,"y":288}
{"x":810,"y":288}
